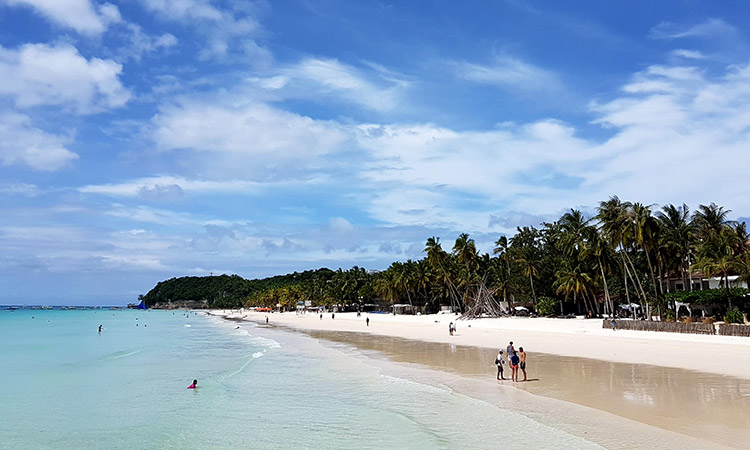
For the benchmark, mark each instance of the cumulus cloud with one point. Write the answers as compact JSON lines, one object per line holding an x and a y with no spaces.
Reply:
{"x":25,"y":145}
{"x":223,"y":28}
{"x":41,"y":74}
{"x":83,"y":16}
{"x":674,"y":127}
{"x":254,"y":140}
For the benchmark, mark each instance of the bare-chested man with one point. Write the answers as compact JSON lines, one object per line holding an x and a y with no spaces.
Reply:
{"x":522,"y":354}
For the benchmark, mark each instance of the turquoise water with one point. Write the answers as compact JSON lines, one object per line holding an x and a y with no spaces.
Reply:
{"x":66,"y":386}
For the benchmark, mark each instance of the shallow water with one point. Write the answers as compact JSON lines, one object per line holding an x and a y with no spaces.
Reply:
{"x":707,"y":406}
{"x":68,"y":387}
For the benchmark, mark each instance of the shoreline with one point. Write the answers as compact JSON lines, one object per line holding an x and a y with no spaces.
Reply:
{"x":582,"y":338}
{"x":675,"y":396}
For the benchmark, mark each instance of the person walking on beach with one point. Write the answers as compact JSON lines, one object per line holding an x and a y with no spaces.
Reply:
{"x":450,"y":328}
{"x":522,"y":354}
{"x":333,"y":315}
{"x":499,"y":362}
{"x":266,"y":320}
{"x":367,"y":321}
{"x":321,"y":316}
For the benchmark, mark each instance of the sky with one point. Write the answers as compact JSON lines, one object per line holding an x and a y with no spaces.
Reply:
{"x":147,"y":139}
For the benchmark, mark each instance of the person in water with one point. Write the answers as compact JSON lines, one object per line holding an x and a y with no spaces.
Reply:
{"x":194,"y":385}
{"x":100,"y":328}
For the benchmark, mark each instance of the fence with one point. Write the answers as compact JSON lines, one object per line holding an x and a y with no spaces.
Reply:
{"x":726,"y":329}
{"x":670,"y":327}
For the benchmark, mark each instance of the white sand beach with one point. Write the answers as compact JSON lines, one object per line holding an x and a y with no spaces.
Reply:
{"x":584,"y":338}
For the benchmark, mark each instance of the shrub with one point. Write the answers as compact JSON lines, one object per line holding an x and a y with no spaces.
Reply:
{"x":709,"y":320}
{"x":688,"y":319}
{"x":734,"y":316}
{"x":707,"y":296}
{"x":547,"y":306}
{"x":669,"y":316}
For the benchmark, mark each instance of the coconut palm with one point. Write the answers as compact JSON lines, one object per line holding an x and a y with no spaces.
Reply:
{"x":716,"y":257}
{"x":676,"y":240}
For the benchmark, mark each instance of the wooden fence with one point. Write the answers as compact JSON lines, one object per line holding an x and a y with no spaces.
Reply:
{"x":726,"y":329}
{"x":670,"y":327}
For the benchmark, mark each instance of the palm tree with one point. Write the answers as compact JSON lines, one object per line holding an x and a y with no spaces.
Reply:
{"x":530,"y":264}
{"x":677,"y":240}
{"x":710,"y":220}
{"x":716,"y":257}
{"x":645,"y":231}
{"x":613,"y":218}
{"x":574,"y":279}
{"x":502,"y":250}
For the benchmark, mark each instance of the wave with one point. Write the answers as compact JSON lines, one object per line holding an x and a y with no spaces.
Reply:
{"x":402,"y":382}
{"x":121,"y":354}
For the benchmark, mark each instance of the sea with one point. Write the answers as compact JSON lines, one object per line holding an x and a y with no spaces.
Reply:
{"x":65,"y":385}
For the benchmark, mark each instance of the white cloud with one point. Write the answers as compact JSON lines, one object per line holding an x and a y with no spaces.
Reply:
{"x":23,"y":189}
{"x":316,"y":78}
{"x":223,"y":28}
{"x":40,"y":74}
{"x":141,"y":43}
{"x":509,"y":73}
{"x":81,"y":15}
{"x":168,"y":185}
{"x":24,"y":144}
{"x":688,"y":54}
{"x":246,"y":140}
{"x":677,"y":135}
{"x":711,"y":28}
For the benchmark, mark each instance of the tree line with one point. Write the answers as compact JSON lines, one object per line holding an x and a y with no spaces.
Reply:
{"x":627,"y":253}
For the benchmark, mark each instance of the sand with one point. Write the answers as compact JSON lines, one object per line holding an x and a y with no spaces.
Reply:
{"x":723,"y":355}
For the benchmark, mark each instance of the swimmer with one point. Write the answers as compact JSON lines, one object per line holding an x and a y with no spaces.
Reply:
{"x":100,"y":328}
{"x":194,"y":385}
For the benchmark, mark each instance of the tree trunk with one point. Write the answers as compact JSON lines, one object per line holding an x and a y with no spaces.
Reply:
{"x":607,"y":298}
{"x":531,"y":281}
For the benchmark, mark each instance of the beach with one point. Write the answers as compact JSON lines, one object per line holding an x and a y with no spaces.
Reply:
{"x":693,"y":386}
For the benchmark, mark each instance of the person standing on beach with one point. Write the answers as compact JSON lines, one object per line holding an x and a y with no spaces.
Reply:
{"x":321,"y":316}
{"x":368,"y":321}
{"x":510,"y":351}
{"x":514,"y":367}
{"x":499,"y":362}
{"x":450,"y":328}
{"x":522,"y":354}
{"x":266,"y":320}
{"x":333,"y":315}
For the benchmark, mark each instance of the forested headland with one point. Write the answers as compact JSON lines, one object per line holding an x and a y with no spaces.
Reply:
{"x":626,"y":254}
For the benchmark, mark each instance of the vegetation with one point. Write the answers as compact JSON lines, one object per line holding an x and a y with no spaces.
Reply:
{"x":628,"y":253}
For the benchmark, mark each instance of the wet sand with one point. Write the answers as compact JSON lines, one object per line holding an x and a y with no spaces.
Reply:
{"x":712,"y":408}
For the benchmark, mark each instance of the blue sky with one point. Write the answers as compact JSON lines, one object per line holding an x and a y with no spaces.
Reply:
{"x":146,"y":139}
